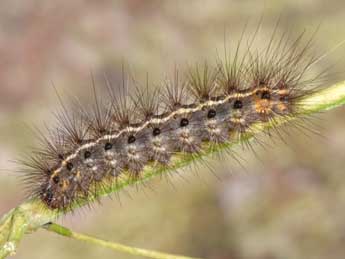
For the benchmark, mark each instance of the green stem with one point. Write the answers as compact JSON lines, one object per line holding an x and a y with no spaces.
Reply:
{"x":32,"y":214}
{"x":58,"y":229}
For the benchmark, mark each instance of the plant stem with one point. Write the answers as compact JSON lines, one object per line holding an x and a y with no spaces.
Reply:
{"x":58,"y":229}
{"x":33,"y":214}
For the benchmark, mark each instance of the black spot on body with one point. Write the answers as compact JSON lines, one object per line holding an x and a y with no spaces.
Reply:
{"x":69,"y":166}
{"x":87,"y":154}
{"x":156,"y":132}
{"x":211,"y":114}
{"x":131,"y":139}
{"x":184,"y":122}
{"x":56,"y":179}
{"x":108,"y":146}
{"x":265,"y":95}
{"x":238,"y":104}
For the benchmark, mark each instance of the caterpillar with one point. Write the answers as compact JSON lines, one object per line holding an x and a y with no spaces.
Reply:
{"x":209,"y":103}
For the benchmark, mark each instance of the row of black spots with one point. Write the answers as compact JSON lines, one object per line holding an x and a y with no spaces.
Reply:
{"x":182,"y":122}
{"x":95,"y":163}
{"x":185,"y":132}
{"x":166,"y":138}
{"x":80,"y":175}
{"x":133,"y":149}
{"x":126,"y":152}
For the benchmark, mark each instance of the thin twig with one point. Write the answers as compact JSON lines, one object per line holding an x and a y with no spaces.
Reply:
{"x":58,"y":229}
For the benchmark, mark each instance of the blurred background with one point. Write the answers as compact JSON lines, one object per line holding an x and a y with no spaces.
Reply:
{"x":288,"y":202}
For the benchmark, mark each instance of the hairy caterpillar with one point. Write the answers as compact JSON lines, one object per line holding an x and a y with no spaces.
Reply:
{"x":212,"y":104}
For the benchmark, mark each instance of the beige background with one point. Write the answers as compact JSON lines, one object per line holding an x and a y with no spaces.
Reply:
{"x":288,"y":203}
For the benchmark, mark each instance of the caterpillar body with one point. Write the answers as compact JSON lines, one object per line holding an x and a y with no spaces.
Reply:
{"x":215,"y":104}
